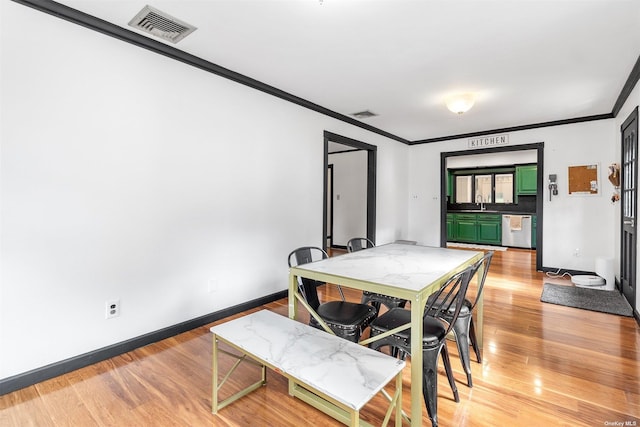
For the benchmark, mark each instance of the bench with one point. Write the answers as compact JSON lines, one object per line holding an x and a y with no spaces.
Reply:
{"x":332,"y":374}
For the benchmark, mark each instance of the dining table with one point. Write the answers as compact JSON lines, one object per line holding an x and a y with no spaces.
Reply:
{"x":411,"y":272}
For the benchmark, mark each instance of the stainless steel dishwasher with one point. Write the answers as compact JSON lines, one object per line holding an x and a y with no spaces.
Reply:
{"x":516,"y":231}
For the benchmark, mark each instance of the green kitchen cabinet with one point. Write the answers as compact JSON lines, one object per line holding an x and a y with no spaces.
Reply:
{"x":451,"y":227}
{"x":464,"y":228}
{"x":526,"y":180}
{"x":474,"y":228}
{"x":489,"y":229}
{"x":450,"y":230}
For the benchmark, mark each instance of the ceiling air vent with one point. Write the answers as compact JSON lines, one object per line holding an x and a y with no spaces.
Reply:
{"x":364,"y":114}
{"x":161,"y":25}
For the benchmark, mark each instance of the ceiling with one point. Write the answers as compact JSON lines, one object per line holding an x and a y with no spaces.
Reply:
{"x":527,"y":61}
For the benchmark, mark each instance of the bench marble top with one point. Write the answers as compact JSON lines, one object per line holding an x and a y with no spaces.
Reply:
{"x":343,"y":370}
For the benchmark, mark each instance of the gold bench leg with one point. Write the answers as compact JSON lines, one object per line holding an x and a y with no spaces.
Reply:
{"x":214,"y":379}
{"x":398,"y":399}
{"x":395,"y":402}
{"x":355,"y":418}
{"x":216,"y":404}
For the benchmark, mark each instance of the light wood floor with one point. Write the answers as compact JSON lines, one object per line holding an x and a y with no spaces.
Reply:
{"x":544,"y":365}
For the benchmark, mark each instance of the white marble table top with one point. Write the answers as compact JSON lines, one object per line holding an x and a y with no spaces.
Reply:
{"x":410,"y":267}
{"x":345,"y":371}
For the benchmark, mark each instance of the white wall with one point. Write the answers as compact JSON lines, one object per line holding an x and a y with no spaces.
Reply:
{"x":492,"y":159}
{"x":349,"y":196}
{"x":584,"y":222}
{"x":128,"y":175}
{"x":588,"y":223}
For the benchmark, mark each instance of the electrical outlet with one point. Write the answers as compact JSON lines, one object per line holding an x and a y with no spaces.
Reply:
{"x":112,"y":309}
{"x":212,"y":286}
{"x":576,"y":252}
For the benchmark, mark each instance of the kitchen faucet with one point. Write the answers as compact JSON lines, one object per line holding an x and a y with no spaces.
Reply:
{"x":481,"y":203}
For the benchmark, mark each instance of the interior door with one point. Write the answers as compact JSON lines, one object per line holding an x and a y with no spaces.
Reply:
{"x":629,"y":198}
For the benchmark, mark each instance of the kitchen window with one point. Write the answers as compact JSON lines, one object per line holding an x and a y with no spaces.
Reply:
{"x":483,"y":186}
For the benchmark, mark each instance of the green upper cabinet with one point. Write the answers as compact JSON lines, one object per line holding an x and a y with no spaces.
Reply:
{"x":527,"y":180}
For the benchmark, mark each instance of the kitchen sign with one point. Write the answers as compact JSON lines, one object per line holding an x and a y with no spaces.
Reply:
{"x":489,"y":141}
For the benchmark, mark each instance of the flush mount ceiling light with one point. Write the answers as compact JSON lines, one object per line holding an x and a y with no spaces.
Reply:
{"x":460,"y":103}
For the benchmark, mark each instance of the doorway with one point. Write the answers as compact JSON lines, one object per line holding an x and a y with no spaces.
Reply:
{"x":539,"y":148}
{"x":629,"y":199}
{"x":331,"y":140}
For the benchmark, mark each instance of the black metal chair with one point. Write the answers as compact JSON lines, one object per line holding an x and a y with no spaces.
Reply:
{"x":450,"y":297}
{"x":346,"y":319}
{"x":368,"y":297}
{"x":463,"y":327}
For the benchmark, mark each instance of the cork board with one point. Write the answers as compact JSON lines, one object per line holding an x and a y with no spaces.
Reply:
{"x":583,"y":180}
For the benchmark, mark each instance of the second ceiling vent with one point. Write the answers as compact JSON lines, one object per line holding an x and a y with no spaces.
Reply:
{"x":363,"y":114}
{"x":160,"y":24}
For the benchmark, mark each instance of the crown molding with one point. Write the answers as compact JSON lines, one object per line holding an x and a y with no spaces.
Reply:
{"x":89,"y":21}
{"x":631,"y":82}
{"x":516,"y":128}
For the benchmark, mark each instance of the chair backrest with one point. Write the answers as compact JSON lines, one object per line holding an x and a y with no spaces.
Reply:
{"x":450,"y":297}
{"x":305,"y":255}
{"x":486,"y":262}
{"x":359,"y":243}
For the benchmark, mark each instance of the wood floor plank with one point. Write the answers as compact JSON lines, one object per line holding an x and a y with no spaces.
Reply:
{"x":543,"y":364}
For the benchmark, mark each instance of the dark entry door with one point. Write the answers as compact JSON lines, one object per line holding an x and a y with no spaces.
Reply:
{"x":629,"y":198}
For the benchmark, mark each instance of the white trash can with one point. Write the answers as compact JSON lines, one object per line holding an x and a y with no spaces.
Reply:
{"x":604,"y":269}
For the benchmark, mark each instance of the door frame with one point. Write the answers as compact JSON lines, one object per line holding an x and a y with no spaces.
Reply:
{"x":371,"y":181}
{"x":539,"y":147}
{"x":633,"y":117}
{"x":329,"y":207}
